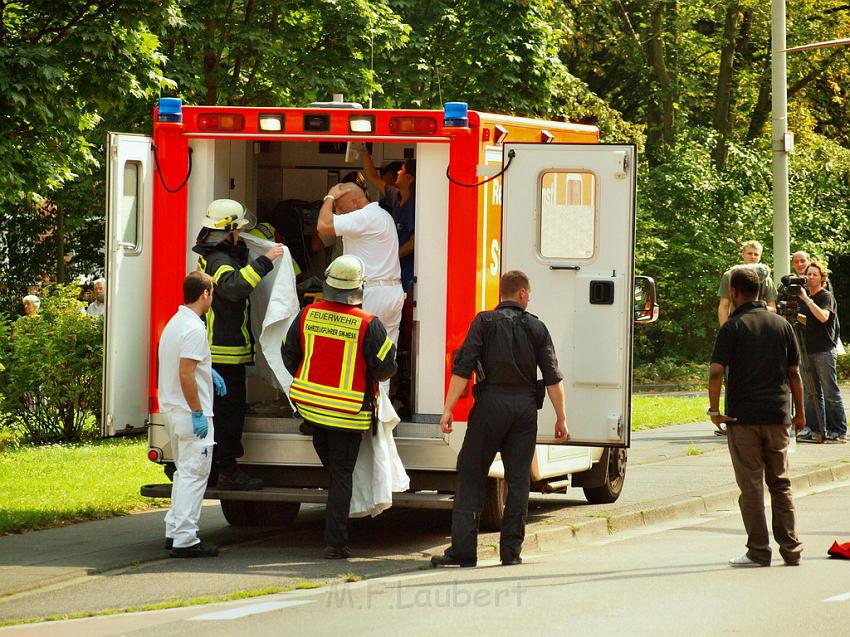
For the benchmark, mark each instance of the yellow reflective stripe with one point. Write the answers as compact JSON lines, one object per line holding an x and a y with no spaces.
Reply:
{"x":232,"y":359}
{"x":308,"y":355}
{"x":202,"y":264}
{"x":382,"y":353}
{"x":230,"y":349}
{"x":309,"y":385}
{"x":348,"y":406}
{"x":246,"y":335}
{"x":250,"y":275}
{"x":221,"y":271}
{"x":353,"y":326}
{"x":360,"y":422}
{"x":346,"y":372}
{"x":210,"y":320}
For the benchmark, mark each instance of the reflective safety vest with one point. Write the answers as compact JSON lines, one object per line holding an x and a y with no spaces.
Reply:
{"x":330,"y":387}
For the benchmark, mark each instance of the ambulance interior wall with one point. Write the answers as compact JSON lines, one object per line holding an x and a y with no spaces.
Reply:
{"x":264,"y":174}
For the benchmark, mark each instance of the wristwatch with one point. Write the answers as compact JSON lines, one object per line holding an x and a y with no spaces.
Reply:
{"x":712,"y":413}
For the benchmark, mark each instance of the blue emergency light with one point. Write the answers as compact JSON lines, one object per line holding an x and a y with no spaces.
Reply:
{"x":455,"y":115}
{"x":170,"y":110}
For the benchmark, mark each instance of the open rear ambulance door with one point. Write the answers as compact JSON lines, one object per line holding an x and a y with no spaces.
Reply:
{"x":568,"y":222}
{"x":128,"y":265}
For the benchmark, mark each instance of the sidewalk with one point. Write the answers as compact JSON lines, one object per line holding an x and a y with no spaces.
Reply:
{"x":663,"y":483}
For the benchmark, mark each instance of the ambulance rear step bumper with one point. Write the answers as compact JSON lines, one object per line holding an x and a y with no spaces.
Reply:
{"x":418,"y":500}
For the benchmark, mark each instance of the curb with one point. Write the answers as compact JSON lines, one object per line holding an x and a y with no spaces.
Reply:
{"x":564,"y":536}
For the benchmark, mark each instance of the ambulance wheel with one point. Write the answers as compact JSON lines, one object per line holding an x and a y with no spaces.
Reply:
{"x":239,"y":512}
{"x":259,"y":513}
{"x":615,"y":477}
{"x":169,"y":470}
{"x":494,"y":504}
{"x":277,"y":514}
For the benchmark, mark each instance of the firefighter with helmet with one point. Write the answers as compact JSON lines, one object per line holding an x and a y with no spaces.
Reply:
{"x":224,"y":256}
{"x":337,"y":353}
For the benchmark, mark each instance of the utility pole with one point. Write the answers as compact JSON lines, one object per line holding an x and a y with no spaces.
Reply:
{"x":782,"y":141}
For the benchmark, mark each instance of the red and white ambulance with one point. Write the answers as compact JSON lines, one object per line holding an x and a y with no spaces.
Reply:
{"x":493,"y":193}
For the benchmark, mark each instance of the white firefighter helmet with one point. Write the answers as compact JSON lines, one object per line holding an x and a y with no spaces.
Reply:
{"x":227,"y":215}
{"x":344,"y":280}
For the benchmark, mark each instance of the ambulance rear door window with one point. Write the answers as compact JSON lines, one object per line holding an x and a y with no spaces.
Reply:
{"x":567,"y":215}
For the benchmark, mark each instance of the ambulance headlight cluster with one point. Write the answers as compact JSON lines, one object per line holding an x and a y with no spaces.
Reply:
{"x":271,"y":122}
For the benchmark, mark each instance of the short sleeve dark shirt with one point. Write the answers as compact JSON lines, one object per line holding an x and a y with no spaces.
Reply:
{"x":757,"y":347}
{"x":509,"y":353}
{"x":820,"y":337}
{"x":404,"y":216}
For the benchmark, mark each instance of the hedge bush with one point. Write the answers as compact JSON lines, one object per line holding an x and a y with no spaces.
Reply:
{"x":50,"y":387}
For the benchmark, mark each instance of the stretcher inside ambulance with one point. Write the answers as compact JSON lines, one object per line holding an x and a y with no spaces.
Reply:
{"x":491,"y":193}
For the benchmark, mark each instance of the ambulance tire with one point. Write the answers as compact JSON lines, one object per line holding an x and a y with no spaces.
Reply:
{"x":258,"y":513}
{"x":615,"y":477}
{"x":494,"y":505}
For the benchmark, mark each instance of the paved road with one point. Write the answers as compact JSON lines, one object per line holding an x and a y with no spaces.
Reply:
{"x":662,"y":580}
{"x":120,"y":563}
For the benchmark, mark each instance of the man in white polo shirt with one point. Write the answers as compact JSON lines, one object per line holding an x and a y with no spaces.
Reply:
{"x":185,"y":388}
{"x":368,"y":231}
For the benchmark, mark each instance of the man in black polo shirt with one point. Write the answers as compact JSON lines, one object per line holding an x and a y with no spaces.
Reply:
{"x":759,"y":349}
{"x":504,"y":347}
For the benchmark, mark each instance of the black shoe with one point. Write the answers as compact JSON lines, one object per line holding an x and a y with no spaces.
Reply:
{"x":201,"y":549}
{"x":238,"y":481}
{"x":169,"y":543}
{"x":336,"y":553}
{"x":448,"y":560}
{"x":305,"y":428}
{"x":512,"y":562}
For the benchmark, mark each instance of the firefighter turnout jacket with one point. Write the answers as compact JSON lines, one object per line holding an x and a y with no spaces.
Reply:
{"x":336,"y":353}
{"x":228,"y":320}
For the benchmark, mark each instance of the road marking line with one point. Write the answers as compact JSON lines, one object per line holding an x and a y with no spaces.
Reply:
{"x":839,"y":598}
{"x":245,"y":611}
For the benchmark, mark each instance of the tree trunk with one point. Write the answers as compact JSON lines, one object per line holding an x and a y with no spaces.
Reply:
{"x":661,"y":112}
{"x":724,"y":118}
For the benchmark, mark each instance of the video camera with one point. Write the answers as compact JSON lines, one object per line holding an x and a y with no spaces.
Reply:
{"x":789,"y":295}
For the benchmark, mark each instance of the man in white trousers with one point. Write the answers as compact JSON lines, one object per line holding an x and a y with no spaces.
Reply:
{"x":185,"y":387}
{"x":369,"y":232}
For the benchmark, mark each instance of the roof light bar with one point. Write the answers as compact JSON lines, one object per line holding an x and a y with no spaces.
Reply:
{"x":361,"y":123}
{"x":409,"y":125}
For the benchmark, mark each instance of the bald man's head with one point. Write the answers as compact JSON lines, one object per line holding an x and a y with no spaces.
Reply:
{"x":353,"y":197}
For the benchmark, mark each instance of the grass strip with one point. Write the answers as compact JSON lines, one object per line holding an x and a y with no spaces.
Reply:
{"x":180,"y":603}
{"x":651,"y":412}
{"x":57,"y":484}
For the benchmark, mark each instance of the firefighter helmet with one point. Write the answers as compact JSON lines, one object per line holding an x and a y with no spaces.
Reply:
{"x":227,"y":215}
{"x":344,"y":280}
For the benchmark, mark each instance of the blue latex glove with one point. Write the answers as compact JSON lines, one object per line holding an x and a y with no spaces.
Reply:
{"x":199,"y":424}
{"x":219,"y":387}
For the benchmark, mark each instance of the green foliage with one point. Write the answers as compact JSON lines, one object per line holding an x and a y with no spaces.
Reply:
{"x":671,"y":371}
{"x":52,"y":485}
{"x":51,"y":385}
{"x":650,"y":412}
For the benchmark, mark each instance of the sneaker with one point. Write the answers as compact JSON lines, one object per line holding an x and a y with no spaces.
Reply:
{"x":201,"y":549}
{"x":337,"y":553}
{"x":834,"y":438}
{"x":238,"y":481}
{"x":448,"y":560}
{"x":745,"y":562}
{"x":805,"y":431}
{"x":810,"y":437}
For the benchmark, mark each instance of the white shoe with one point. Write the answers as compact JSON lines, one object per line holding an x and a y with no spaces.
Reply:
{"x":744,"y":562}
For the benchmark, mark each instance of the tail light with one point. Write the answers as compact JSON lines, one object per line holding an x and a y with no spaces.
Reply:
{"x":221,"y":121}
{"x":413,"y":125}
{"x":154,"y":454}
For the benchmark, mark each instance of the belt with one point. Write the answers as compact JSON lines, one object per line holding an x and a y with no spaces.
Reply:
{"x":384,"y":282}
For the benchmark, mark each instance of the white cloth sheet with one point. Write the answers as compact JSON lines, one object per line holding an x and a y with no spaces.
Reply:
{"x":274,"y":304}
{"x":379,"y":471}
